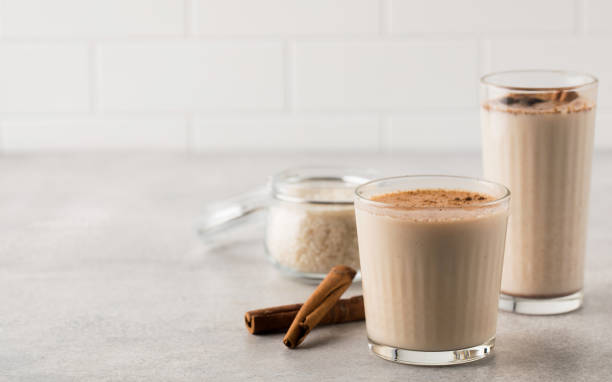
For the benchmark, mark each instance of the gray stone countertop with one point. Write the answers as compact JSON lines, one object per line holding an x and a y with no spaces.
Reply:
{"x":103,"y":278}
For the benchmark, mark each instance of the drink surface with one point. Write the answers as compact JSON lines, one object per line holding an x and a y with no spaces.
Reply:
{"x":432,"y":198}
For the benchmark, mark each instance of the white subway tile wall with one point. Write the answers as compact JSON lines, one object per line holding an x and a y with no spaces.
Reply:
{"x":598,"y":16}
{"x":444,"y":132}
{"x":385,"y":76}
{"x":83,"y":19}
{"x":287,"y":133}
{"x":187,"y":76}
{"x":95,"y":132}
{"x":287,"y":17}
{"x":516,"y":17}
{"x":261,"y":75}
{"x":44,"y":77}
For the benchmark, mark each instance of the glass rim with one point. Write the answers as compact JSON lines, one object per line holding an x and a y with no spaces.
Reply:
{"x":497,"y":201}
{"x":592,"y":80}
{"x":296,"y":175}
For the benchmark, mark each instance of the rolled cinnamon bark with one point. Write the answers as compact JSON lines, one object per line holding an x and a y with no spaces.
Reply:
{"x":279,"y":318}
{"x":320,"y":302}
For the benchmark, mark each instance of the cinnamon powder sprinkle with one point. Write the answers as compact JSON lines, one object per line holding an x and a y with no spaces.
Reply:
{"x":543,"y":103}
{"x":438,"y":198}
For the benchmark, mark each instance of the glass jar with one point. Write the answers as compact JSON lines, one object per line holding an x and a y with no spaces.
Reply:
{"x":310,"y":224}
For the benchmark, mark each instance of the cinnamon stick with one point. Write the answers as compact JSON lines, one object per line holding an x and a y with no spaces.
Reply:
{"x":279,"y":318}
{"x":320,"y":302}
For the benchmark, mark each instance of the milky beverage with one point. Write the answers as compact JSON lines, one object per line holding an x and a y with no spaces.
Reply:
{"x":431,"y":267}
{"x":540,"y":146}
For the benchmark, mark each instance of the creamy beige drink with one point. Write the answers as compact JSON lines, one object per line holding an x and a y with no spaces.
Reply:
{"x":539,"y":144}
{"x":431,"y":262}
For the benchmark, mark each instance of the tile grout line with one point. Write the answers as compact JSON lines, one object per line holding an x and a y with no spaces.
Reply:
{"x":484,"y":50}
{"x":384,"y":17}
{"x":484,"y":62}
{"x":383,"y":133}
{"x":580,"y":18}
{"x":188,"y":18}
{"x":267,"y":38}
{"x":191,"y":134}
{"x":246,"y":114}
{"x":93,"y":78}
{"x":2,"y":148}
{"x":288,"y":77}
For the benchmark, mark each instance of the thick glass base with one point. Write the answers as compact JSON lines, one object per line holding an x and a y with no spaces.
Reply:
{"x":541,"y":306}
{"x":433,"y":358}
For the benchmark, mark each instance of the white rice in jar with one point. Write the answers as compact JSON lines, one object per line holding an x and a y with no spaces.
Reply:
{"x":313,"y":237}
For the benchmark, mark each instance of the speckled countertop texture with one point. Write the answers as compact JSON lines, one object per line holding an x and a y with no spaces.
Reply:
{"x":103,"y":278}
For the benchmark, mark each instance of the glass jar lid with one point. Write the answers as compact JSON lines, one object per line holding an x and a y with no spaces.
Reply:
{"x":307,"y":185}
{"x":318,"y":185}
